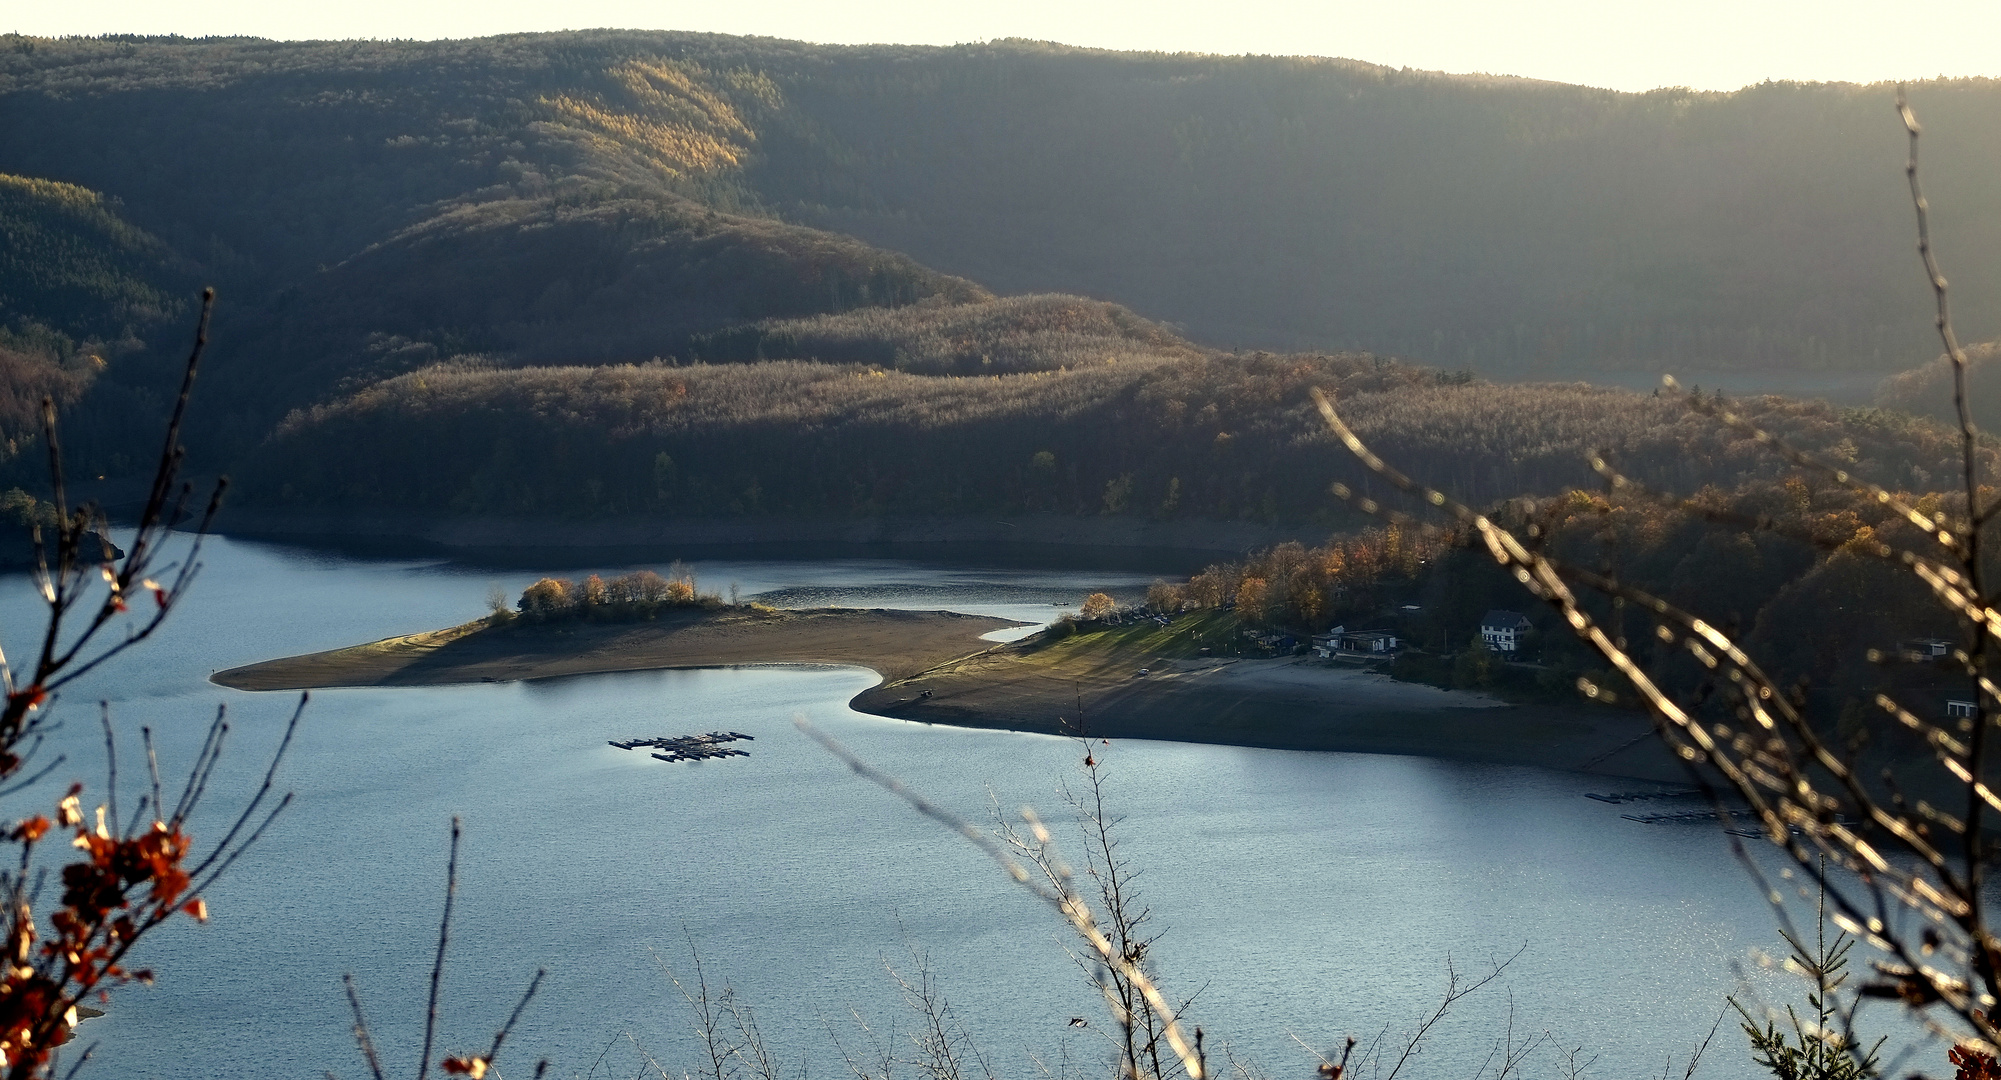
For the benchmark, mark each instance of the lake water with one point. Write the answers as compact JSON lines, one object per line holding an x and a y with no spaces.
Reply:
{"x":1305,"y":894}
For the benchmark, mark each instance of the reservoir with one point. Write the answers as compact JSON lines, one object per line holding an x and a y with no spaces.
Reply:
{"x":1303,"y":896}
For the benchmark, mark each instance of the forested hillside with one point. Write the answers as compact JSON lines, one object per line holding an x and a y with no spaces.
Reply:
{"x":1501,"y":224}
{"x":1822,"y":556}
{"x":80,"y":287}
{"x":449,"y":251}
{"x":365,"y":210}
{"x":1218,"y":437}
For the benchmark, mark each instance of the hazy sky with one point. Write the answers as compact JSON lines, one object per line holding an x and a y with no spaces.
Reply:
{"x":1626,"y":44}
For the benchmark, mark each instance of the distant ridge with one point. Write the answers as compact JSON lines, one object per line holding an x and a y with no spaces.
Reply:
{"x":534,"y":214}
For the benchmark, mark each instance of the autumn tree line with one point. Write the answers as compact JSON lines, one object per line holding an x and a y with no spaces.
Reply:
{"x":1213,"y":437}
{"x":1760,"y":562}
{"x":642,"y":594}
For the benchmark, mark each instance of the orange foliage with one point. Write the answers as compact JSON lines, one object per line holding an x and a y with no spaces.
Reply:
{"x":125,"y":886}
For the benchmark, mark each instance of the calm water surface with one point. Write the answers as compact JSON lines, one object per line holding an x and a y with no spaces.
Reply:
{"x":1301,"y":893}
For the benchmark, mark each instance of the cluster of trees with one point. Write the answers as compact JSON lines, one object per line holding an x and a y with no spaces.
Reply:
{"x":1215,"y":437}
{"x":638,"y":595}
{"x":1926,"y":390}
{"x":1294,"y":587}
{"x":999,"y":337}
{"x":1759,"y":562}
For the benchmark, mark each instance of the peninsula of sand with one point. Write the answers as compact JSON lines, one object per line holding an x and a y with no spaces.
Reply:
{"x":893,"y":643}
{"x":1144,"y":679}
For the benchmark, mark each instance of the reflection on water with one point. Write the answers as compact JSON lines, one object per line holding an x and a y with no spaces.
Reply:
{"x":1316,"y":894}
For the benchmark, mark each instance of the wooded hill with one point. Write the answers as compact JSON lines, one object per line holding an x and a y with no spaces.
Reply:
{"x":1217,"y":436}
{"x":1759,"y":563}
{"x":1273,"y":202}
{"x":502,"y":217}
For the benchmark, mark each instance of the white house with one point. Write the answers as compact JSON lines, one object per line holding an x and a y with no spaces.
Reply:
{"x":1961,"y":710}
{"x":1503,"y":631}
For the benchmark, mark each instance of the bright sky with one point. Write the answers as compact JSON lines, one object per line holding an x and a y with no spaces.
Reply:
{"x":1624,"y":44}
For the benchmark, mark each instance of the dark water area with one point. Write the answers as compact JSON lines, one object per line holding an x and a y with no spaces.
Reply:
{"x":1307,"y":894}
{"x":1169,"y":562}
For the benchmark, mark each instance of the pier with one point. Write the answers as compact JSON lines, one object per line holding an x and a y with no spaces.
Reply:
{"x":1685,"y":815}
{"x":690,"y":747}
{"x":1643,"y":796}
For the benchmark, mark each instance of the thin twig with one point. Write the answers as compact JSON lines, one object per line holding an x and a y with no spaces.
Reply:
{"x":361,"y":1029}
{"x":438,"y":964}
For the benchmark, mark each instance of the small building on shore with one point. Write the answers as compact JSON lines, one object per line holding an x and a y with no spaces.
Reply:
{"x":1341,"y":641}
{"x":1353,"y":643}
{"x":1327,"y":644}
{"x":1919,"y":650}
{"x":1504,"y":631}
{"x":1369,"y":642}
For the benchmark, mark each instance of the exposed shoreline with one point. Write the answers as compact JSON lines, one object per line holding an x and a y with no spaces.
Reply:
{"x":891,"y":642}
{"x":1285,"y":704}
{"x":938,"y":671}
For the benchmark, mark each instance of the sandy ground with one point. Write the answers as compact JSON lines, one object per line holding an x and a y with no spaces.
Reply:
{"x":1296,"y":704}
{"x":938,"y":671}
{"x":894,"y":643}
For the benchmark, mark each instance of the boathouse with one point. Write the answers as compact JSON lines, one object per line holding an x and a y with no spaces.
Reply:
{"x":1329,"y":643}
{"x":1374,"y":642}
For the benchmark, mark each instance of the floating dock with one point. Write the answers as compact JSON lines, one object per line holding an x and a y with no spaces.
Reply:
{"x":1795,"y":830}
{"x":1643,"y":796}
{"x":690,"y":747}
{"x":1686,"y":815}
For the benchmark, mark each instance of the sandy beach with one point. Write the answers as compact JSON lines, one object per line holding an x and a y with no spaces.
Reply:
{"x":893,"y":643}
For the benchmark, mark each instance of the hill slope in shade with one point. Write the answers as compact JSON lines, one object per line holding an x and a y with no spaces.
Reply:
{"x":1502,"y":224}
